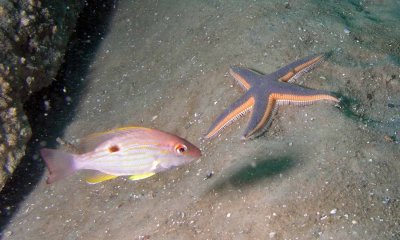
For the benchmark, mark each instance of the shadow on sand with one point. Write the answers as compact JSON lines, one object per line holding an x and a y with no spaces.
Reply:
{"x":352,"y":109}
{"x":63,"y":96}
{"x":248,"y":174}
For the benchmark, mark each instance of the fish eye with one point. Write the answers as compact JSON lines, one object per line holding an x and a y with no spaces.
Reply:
{"x":180,"y":148}
{"x":113,"y":148}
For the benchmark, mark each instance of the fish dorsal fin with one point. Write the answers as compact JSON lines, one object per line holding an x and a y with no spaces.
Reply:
{"x":91,"y":142}
{"x":140,"y":176}
{"x":99,"y":177}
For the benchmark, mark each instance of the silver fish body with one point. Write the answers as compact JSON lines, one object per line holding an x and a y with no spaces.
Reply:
{"x":133,"y":151}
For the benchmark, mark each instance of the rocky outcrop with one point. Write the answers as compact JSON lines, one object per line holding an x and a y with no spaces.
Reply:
{"x":33,"y":39}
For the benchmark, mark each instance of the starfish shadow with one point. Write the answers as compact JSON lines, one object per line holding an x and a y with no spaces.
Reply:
{"x":248,"y":174}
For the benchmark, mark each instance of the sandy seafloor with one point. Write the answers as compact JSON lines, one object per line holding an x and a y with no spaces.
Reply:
{"x":319,"y":172}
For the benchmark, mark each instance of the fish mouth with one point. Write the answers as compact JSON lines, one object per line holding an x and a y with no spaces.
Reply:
{"x":193,"y":158}
{"x":196,"y":154}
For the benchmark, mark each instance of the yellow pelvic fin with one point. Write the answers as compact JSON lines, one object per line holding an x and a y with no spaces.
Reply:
{"x":99,"y":177}
{"x":140,"y":176}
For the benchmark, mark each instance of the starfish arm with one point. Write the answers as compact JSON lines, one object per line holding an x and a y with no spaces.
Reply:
{"x":245,"y":77}
{"x":296,"y":69}
{"x":231,"y":114}
{"x":297,"y":95}
{"x":261,"y":116}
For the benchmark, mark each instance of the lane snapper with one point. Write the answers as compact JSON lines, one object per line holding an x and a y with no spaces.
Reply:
{"x":137,"y":152}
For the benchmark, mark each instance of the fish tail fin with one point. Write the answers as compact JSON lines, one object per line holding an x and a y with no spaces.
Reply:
{"x":60,"y":164}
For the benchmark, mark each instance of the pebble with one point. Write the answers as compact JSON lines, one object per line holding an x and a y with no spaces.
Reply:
{"x":386,"y":200}
{"x":209,"y":175}
{"x":388,"y":138}
{"x":8,"y":234}
{"x":333,"y":211}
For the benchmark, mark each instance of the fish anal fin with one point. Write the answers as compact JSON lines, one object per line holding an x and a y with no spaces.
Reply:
{"x":140,"y":176}
{"x":99,"y":177}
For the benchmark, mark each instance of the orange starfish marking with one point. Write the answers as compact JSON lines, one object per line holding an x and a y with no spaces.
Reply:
{"x":266,"y":92}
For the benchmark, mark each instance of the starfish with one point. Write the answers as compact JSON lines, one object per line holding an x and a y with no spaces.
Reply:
{"x":265,"y":92}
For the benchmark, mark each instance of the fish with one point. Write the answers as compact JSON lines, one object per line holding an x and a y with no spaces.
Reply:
{"x":137,"y":152}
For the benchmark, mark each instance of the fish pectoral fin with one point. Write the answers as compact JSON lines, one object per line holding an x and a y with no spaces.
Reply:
{"x":99,"y":177}
{"x":140,"y":176}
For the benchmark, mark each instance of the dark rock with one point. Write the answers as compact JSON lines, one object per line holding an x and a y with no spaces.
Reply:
{"x":33,"y":39}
